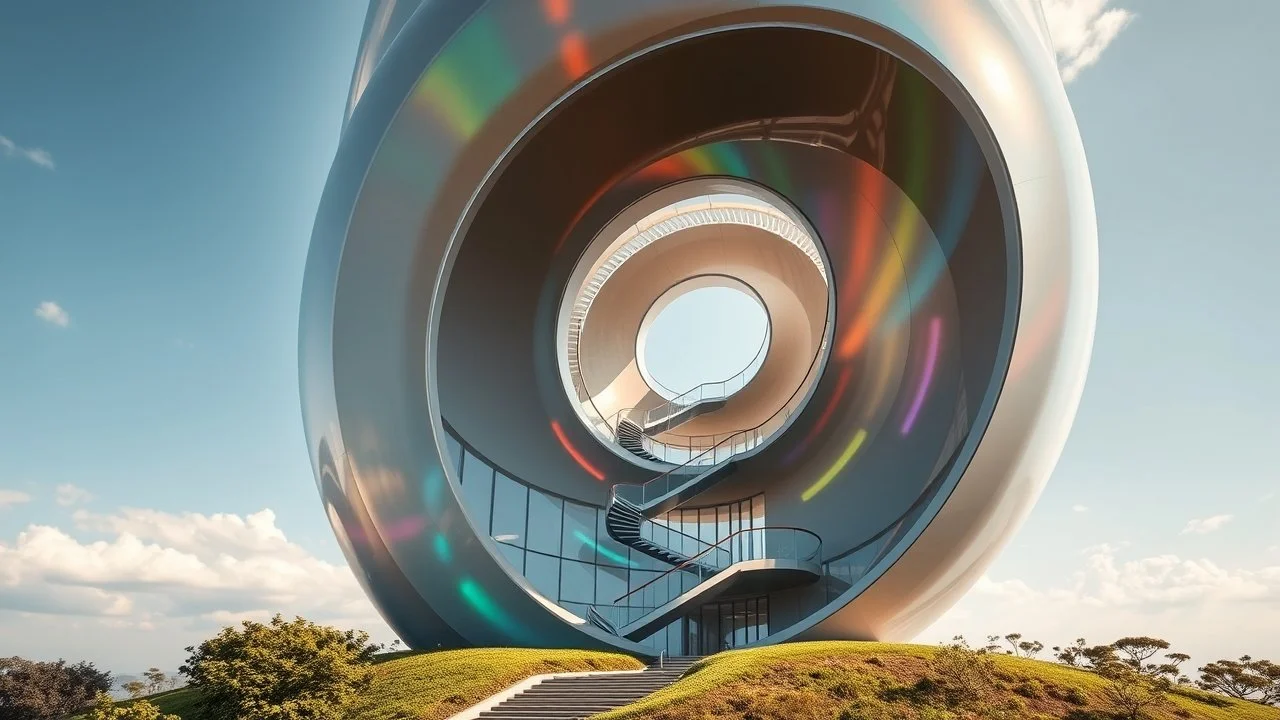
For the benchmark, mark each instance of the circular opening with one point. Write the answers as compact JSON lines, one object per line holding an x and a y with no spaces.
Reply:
{"x":708,"y":335}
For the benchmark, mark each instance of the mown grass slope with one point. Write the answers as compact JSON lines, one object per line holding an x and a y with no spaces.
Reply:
{"x":878,"y":681}
{"x":435,"y":685}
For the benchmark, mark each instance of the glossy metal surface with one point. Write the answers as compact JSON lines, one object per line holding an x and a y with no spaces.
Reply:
{"x":437,"y":117}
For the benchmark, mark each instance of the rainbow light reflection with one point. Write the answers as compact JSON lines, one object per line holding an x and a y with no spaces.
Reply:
{"x":926,"y":379}
{"x":850,"y":450}
{"x":573,"y":451}
{"x":603,"y":551}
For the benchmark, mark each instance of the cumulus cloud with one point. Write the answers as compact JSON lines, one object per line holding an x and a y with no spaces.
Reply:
{"x":9,"y":498}
{"x":67,"y":495}
{"x":1189,"y":602}
{"x":40,"y":157}
{"x":1081,"y":30}
{"x":151,"y":567}
{"x":52,"y":313}
{"x":1204,"y":526}
{"x":1080,"y":508}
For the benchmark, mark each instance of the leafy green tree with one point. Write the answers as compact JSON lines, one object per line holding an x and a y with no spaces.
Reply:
{"x":135,"y":688}
{"x":1030,"y":649}
{"x":1136,"y":651}
{"x":1023,"y":648}
{"x":283,"y":670}
{"x":104,"y":708}
{"x":156,"y":679}
{"x":1244,"y":679}
{"x":1073,"y":654}
{"x":47,"y":690}
{"x":1132,"y":694}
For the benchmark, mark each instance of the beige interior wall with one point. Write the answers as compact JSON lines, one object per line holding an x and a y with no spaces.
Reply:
{"x":786,"y":280}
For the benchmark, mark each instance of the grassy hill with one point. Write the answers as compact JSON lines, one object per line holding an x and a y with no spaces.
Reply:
{"x":877,"y":681}
{"x":803,"y":681}
{"x":433,"y":686}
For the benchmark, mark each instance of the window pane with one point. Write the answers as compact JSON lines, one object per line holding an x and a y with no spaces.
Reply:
{"x":477,"y":490}
{"x":707,"y":525}
{"x":543,"y":573}
{"x":722,"y":522}
{"x":510,"y":502}
{"x":579,"y":527}
{"x":544,"y":523}
{"x":608,"y":550}
{"x":577,"y":581}
{"x":514,"y":555}
{"x":611,"y":584}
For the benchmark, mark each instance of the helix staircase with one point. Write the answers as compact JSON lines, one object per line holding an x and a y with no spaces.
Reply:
{"x":569,"y":698}
{"x":631,"y":437}
{"x":754,"y":560}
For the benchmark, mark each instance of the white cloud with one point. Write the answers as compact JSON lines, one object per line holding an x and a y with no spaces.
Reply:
{"x":40,"y":157}
{"x":1081,"y":30}
{"x":1204,"y":526}
{"x":9,"y":498}
{"x":181,"y":575}
{"x":52,"y":313}
{"x":1080,"y":508}
{"x":67,"y":495}
{"x":1190,"y":603}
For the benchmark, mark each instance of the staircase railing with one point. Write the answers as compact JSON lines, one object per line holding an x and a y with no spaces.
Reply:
{"x":714,"y":449}
{"x":714,"y":390}
{"x":802,"y":546}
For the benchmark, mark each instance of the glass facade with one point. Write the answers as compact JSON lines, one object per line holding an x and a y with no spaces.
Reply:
{"x":563,"y":550}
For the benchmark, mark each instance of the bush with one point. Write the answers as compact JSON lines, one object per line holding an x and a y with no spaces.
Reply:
{"x":105,"y":708}
{"x":967,"y":677}
{"x":285,"y":670}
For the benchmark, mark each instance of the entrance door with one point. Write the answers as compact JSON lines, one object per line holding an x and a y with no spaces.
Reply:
{"x":727,"y":625}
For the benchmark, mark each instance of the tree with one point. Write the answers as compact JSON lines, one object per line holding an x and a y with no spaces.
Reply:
{"x":1244,"y":679}
{"x":1132,"y":693}
{"x":1073,"y":654}
{"x":1030,"y":649}
{"x":44,"y":690}
{"x":135,"y":688}
{"x":1137,"y":650}
{"x":1099,"y":657}
{"x":1022,"y":648}
{"x":156,"y":679}
{"x":104,"y":708}
{"x":283,"y":670}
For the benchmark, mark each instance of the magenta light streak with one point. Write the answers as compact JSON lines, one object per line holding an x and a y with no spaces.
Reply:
{"x":935,"y":333}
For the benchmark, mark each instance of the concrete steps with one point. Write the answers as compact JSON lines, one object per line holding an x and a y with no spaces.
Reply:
{"x":570,"y":698}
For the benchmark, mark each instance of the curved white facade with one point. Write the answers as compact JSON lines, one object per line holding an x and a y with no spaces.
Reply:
{"x":931,"y":149}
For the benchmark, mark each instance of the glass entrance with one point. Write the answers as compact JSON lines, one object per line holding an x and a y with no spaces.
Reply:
{"x":726,"y":625}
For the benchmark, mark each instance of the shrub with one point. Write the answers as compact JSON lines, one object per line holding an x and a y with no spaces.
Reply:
{"x":104,"y":708}
{"x":284,"y":670}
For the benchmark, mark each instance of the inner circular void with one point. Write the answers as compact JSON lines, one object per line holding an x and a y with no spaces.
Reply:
{"x":708,"y":335}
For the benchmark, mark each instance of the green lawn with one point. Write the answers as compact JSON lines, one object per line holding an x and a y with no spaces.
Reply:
{"x":800,"y":681}
{"x":435,"y":685}
{"x":878,"y":681}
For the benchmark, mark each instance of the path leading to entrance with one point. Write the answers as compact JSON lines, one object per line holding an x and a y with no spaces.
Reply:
{"x":577,"y":695}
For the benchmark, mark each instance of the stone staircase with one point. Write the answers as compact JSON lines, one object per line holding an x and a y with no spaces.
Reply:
{"x":569,"y":698}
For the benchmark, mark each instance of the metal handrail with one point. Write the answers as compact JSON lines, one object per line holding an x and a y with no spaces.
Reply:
{"x":688,"y":398}
{"x":752,"y":434}
{"x":815,"y":556}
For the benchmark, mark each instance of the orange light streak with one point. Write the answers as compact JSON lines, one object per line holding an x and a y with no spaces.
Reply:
{"x":573,"y":452}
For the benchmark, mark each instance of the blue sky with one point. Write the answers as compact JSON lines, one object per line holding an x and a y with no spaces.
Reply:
{"x":160,"y":167}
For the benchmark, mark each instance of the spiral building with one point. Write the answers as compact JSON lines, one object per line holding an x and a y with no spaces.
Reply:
{"x":523,"y":186}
